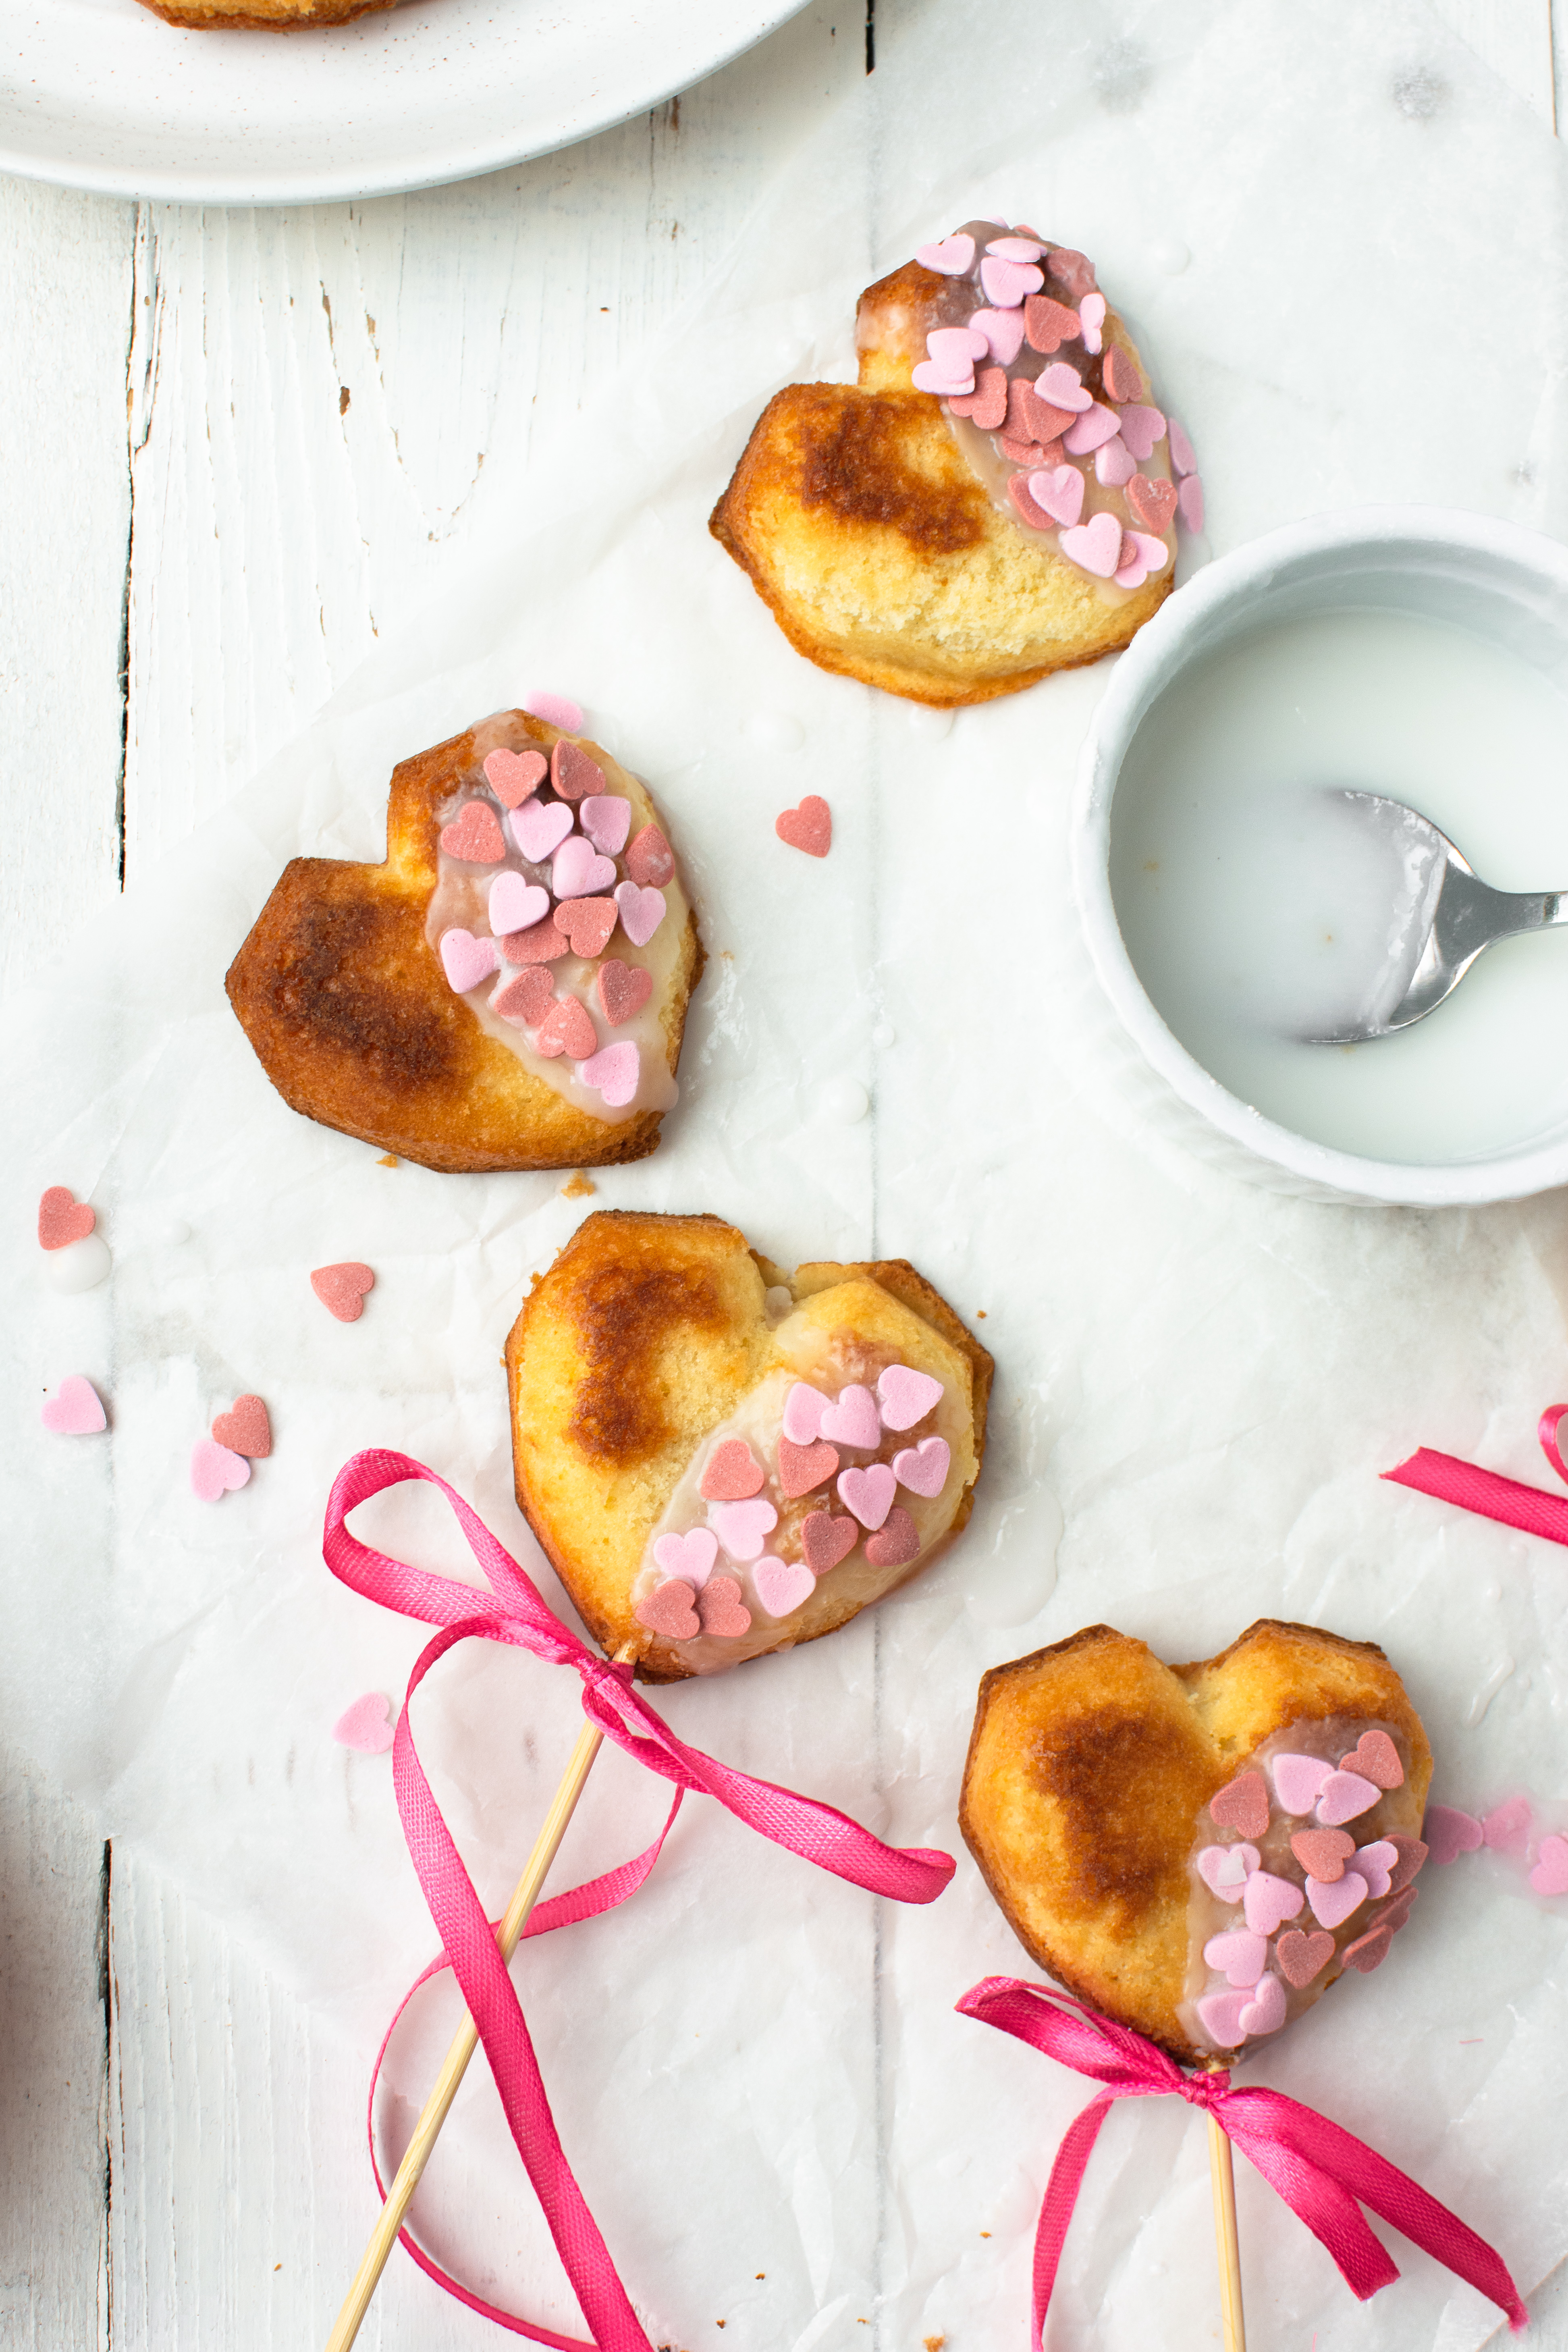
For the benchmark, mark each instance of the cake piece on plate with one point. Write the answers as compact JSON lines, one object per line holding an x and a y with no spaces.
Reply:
{"x":262,"y":15}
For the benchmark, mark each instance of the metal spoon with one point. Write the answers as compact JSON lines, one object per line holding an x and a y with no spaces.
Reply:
{"x":1455,"y":913}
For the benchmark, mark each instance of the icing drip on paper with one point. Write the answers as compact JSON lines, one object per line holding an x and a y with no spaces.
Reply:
{"x":1056,"y":420}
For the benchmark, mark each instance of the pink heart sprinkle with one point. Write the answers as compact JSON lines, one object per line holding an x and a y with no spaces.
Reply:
{"x":904,"y":1396}
{"x":1141,"y":427}
{"x":1395,"y":1914}
{"x":615,"y":1072}
{"x":1063,"y":386}
{"x":742,"y":1527}
{"x":923,"y":1468}
{"x":1002,"y":331}
{"x":650,"y":858}
{"x":1154,"y":504}
{"x":1139,"y":556}
{"x":733,"y":1473}
{"x":1374,"y":1755}
{"x":807,"y":827}
{"x":76,"y":1409}
{"x":689,"y":1557}
{"x":474,"y":834}
{"x":1506,"y":1829}
{"x":62,"y":1219}
{"x":1113,"y":463}
{"x":853,"y":1420}
{"x":556,"y":710}
{"x":1266,"y":2013}
{"x":1376,"y":1864}
{"x":540,"y":943}
{"x":1182,"y":456}
{"x":538,"y":828}
{"x":895,"y":1543}
{"x":670,"y":1609}
{"x":642,"y":911}
{"x":1190,"y":502}
{"x":586,"y":922}
{"x":803,"y":1412}
{"x":1342,"y":1797}
{"x":802,"y":1468}
{"x":216,"y":1471}
{"x":1242,"y":1804}
{"x":826,"y":1540}
{"x":1095,"y":546}
{"x":1015,"y":249}
{"x":606,"y":820}
{"x":1371,"y":1950}
{"x":955,"y":350}
{"x":781,"y":1585}
{"x":867,"y":1493}
{"x":1120,"y":377}
{"x":1005,"y":283}
{"x":1058,"y":493}
{"x":1449,"y":1833}
{"x":573,"y":773}
{"x":1091,"y":431}
{"x":516,"y":905}
{"x":1074,"y":270}
{"x":1298,"y":1782}
{"x":526,"y":998}
{"x":1238,"y":1955}
{"x":1219,"y":2014}
{"x":986,"y":405}
{"x":623,"y":990}
{"x":1302,"y":1957}
{"x":1412,"y":1854}
{"x":568,"y":1029}
{"x":722,"y":1612}
{"x":1048,"y":324}
{"x":1333,"y":1903}
{"x":513,"y":775}
{"x":1091,"y":322}
{"x":927,"y":376}
{"x":1324,"y":1854}
{"x":579,"y":870}
{"x":1027,"y":512}
{"x":1269,"y":1902}
{"x":1226,"y":1869}
{"x":342,"y":1289}
{"x":368,"y":1725}
{"x":1549,"y":1875}
{"x":245,"y":1429}
{"x":952,"y":258}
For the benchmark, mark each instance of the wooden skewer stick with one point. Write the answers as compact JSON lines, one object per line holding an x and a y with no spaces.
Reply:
{"x":421,"y":2148}
{"x":1223,"y":2176}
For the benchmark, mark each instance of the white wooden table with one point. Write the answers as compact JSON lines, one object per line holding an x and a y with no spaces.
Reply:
{"x":240,"y":445}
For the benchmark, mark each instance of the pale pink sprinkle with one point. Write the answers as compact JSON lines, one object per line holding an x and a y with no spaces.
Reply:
{"x":1090,"y":431}
{"x":1091,"y":320}
{"x":556,"y":710}
{"x":614,"y":1072}
{"x":926,"y":376}
{"x":1007,"y":282}
{"x":1113,"y":463}
{"x":1507,"y":1827}
{"x":1095,"y":546}
{"x":1182,"y":456}
{"x":1015,"y":249}
{"x":1141,"y":555}
{"x":955,"y":348}
{"x":1549,"y":1875}
{"x":1063,"y":386}
{"x":1002,"y":331}
{"x":1190,"y":502}
{"x":1141,"y":427}
{"x":950,"y":257}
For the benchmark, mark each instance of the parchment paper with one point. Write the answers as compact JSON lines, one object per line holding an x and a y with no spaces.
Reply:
{"x":756,"y":2069}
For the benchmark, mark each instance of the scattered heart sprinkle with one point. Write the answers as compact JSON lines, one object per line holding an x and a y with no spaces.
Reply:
{"x":63,"y":1219}
{"x":368,"y":1725}
{"x":556,"y":710}
{"x":76,"y":1409}
{"x":513,"y":776}
{"x":807,"y":827}
{"x":216,"y":1471}
{"x":475,"y":836}
{"x":342,"y":1289}
{"x":245,"y":1429}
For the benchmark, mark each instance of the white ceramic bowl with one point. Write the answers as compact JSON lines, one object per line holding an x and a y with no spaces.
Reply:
{"x":1490,"y":577}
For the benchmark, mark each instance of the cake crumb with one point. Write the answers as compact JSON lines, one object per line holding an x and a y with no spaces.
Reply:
{"x":986,"y":2234}
{"x":387,"y":1159}
{"x":980,"y":1312}
{"x":579,"y":1188}
{"x":935,"y":2343}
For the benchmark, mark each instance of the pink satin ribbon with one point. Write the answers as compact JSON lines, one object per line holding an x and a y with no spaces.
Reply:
{"x":518,"y":1615}
{"x":1487,"y":1491}
{"x":1317,"y":2169}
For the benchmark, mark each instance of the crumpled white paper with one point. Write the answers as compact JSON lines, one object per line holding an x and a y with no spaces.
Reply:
{"x":757,"y":2071}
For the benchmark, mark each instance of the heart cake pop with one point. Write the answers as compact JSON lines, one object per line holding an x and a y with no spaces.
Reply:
{"x":995,"y":498}
{"x":509,"y":990}
{"x":1199,"y":1852}
{"x":721,"y":1460}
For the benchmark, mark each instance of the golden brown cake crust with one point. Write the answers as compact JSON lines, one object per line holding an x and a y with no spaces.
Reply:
{"x":348,"y":1009}
{"x":1090,"y":1765}
{"x":869,"y":536}
{"x":262,"y":15}
{"x":644,"y":1334}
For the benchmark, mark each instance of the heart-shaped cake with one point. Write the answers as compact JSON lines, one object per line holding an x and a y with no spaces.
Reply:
{"x":720,"y":1459}
{"x":1199,"y":1852}
{"x":995,"y":498}
{"x":509,"y":989}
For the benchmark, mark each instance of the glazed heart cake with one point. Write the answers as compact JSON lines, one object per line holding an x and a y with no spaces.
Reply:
{"x":509,"y":990}
{"x":722,"y":1460}
{"x":995,"y":498}
{"x":1199,"y":1852}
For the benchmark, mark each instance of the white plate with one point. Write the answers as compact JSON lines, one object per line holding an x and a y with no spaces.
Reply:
{"x":102,"y":94}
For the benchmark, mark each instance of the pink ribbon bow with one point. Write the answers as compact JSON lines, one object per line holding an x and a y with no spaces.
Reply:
{"x":518,"y":1615}
{"x":1319,"y":2169}
{"x":1487,"y":1491}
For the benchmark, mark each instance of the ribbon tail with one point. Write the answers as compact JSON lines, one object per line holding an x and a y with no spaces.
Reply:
{"x":1485,"y":1492}
{"x":1060,"y":2198}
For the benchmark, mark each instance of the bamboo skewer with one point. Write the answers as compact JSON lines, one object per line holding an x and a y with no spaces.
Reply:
{"x":1223,"y":2176}
{"x":427,"y":2130}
